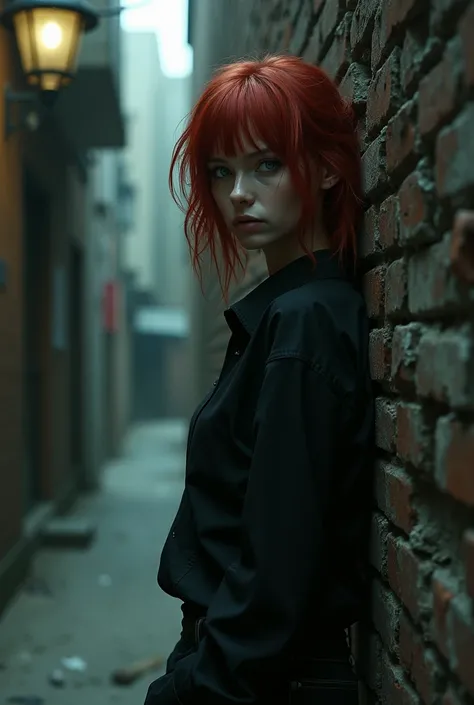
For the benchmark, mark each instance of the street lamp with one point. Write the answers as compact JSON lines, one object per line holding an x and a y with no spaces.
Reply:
{"x":48,"y":34}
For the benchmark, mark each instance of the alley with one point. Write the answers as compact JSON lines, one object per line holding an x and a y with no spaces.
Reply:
{"x":101,"y":604}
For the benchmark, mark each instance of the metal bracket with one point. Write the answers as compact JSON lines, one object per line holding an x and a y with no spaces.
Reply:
{"x":22,"y":111}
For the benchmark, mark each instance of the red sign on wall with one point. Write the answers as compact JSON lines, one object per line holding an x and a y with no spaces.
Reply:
{"x":110,"y":306}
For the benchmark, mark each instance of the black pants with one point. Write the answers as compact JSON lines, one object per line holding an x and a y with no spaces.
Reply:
{"x":325,"y":677}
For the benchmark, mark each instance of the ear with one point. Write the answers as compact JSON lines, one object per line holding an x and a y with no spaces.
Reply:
{"x":329,"y":180}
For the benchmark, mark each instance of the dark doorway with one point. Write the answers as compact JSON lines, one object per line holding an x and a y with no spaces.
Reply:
{"x":36,"y":259}
{"x":76,"y":365}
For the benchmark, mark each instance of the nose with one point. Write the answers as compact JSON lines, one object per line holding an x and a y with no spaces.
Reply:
{"x":241,"y":192}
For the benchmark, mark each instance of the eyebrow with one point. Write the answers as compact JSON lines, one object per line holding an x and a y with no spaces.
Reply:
{"x":250,"y":155}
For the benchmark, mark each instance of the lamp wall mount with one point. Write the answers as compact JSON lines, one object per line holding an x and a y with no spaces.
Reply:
{"x":23,"y":111}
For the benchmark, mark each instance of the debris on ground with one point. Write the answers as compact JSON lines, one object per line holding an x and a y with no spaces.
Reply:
{"x":69,"y":532}
{"x":37,"y":586}
{"x":26,"y":700}
{"x":129,"y":674}
{"x":57,"y":678}
{"x":74,"y":663}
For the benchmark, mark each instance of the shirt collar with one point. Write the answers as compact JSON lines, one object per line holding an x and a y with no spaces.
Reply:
{"x":249,"y":310}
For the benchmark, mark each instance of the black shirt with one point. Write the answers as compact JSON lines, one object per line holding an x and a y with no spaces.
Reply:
{"x":270,"y":535}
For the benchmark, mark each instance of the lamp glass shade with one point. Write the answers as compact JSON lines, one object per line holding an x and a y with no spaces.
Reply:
{"x":48,"y":41}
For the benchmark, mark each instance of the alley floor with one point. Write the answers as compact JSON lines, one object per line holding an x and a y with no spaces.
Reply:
{"x":100,"y":607}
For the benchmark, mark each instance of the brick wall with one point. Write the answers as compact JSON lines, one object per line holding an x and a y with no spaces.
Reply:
{"x":408,"y":65}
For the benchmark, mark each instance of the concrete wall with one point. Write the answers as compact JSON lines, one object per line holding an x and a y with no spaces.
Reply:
{"x":409,"y":67}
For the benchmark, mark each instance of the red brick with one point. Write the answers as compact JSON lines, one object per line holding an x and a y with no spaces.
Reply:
{"x":331,"y":16}
{"x":393,"y":19}
{"x":383,"y":98}
{"x":374,"y":291}
{"x":389,"y":222}
{"x":354,"y":86}
{"x":337,"y":59}
{"x":462,"y":246}
{"x":394,"y":493}
{"x":386,"y":615}
{"x":444,"y":15}
{"x":466,"y":32}
{"x":437,"y":95}
{"x":442,"y":596}
{"x":468,"y":551}
{"x":394,"y":687}
{"x":385,"y":424}
{"x":414,"y":435}
{"x":373,"y":167}
{"x":379,"y":354}
{"x":455,"y":459}
{"x":416,"y":205}
{"x":378,"y":544}
{"x":431,"y":284}
{"x":407,"y":576}
{"x":455,"y":156}
{"x":420,"y":663}
{"x":400,"y":144}
{"x":405,"y":343}
{"x":370,"y":235}
{"x":444,"y":368}
{"x":361,"y":26}
{"x":396,"y":288}
{"x":461,"y":635}
{"x":412,"y":52}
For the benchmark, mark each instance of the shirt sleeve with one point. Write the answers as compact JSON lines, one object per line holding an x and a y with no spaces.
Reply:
{"x":264,"y":596}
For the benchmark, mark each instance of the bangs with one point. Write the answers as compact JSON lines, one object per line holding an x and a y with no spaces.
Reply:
{"x":250,"y":111}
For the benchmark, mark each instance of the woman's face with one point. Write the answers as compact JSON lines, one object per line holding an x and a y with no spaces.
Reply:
{"x":255,"y":195}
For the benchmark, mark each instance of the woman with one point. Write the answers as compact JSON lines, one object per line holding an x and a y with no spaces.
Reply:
{"x":267,"y":551}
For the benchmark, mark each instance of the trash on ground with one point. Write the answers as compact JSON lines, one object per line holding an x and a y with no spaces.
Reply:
{"x":26,"y":700}
{"x":37,"y":586}
{"x":74,"y":663}
{"x":57,"y":678}
{"x":129,"y":674}
{"x":105,"y":580}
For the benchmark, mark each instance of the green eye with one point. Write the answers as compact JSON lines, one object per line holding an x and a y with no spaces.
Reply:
{"x":219,"y":172}
{"x":269,"y":165}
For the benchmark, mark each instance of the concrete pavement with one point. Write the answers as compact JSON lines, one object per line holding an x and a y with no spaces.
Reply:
{"x":101,"y":604}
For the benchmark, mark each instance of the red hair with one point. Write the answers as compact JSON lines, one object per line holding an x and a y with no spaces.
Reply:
{"x":299,"y":113}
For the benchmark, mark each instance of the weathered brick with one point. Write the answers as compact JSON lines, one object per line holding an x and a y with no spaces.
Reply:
{"x":408,"y":576}
{"x":299,"y":35}
{"x":400,"y":144}
{"x":444,"y":369}
{"x":332,"y":14}
{"x":394,"y":686}
{"x":373,"y":167}
{"x":337,"y":58}
{"x":444,"y":15}
{"x":466,"y":32}
{"x":437,"y":96}
{"x":373,"y":291}
{"x":414,"y":435}
{"x":379,"y":354}
{"x":383,"y":98}
{"x":431,"y":285}
{"x":361,"y":26}
{"x":394,"y":493}
{"x":385,"y":424}
{"x":396,"y":289}
{"x":443,"y":592}
{"x":461,"y":636}
{"x":462,"y":246}
{"x":378,"y":544}
{"x":451,"y":698}
{"x":455,"y":156}
{"x":393,"y":19}
{"x":389,"y":222}
{"x":354,"y":86}
{"x":405,"y":343}
{"x":419,"y":661}
{"x":468,"y":555}
{"x":386,"y":615}
{"x":416,"y":203}
{"x":370,"y":243}
{"x":455,"y":458}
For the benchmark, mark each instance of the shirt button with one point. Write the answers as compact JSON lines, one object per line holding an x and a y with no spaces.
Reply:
{"x":173,"y":534}
{"x":214,"y":384}
{"x":237,"y":353}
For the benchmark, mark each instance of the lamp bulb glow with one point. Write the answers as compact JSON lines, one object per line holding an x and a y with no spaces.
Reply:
{"x":51,"y":35}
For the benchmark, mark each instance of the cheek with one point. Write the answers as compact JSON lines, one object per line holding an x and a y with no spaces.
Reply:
{"x":221,"y":198}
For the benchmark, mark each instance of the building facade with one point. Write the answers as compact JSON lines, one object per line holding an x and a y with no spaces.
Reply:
{"x":50,"y":289}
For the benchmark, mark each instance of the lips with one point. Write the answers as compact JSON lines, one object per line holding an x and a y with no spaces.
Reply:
{"x":241,"y":219}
